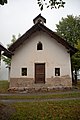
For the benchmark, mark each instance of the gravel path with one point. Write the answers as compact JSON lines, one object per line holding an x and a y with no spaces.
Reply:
{"x":37,"y":100}
{"x":37,"y":94}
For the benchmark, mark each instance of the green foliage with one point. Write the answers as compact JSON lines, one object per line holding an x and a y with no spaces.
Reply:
{"x":76,"y":58}
{"x":12,"y":41}
{"x":69,"y":29}
{"x":50,"y":3}
{"x":42,"y":3}
{"x":6,"y":60}
{"x":2,"y":2}
{"x":19,"y":35}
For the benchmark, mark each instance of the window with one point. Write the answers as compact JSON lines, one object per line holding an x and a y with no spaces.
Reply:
{"x":57,"y":71}
{"x":24,"y":71}
{"x":39,"y":46}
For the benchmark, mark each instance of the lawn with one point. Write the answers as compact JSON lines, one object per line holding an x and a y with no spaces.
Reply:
{"x":48,"y":110}
{"x":57,"y":110}
{"x":4,"y":85}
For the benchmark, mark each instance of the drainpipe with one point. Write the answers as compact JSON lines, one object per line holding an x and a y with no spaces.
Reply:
{"x":72,"y":70}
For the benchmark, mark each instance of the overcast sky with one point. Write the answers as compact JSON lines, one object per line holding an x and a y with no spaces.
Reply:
{"x":17,"y":16}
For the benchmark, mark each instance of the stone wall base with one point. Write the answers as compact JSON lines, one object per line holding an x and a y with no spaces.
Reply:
{"x":28,"y":84}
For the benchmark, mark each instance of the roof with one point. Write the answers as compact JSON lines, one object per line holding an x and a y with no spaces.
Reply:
{"x":38,"y":17}
{"x":38,"y":27}
{"x":6,"y":51}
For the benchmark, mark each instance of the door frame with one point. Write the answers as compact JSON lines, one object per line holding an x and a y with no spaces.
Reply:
{"x":44,"y":71}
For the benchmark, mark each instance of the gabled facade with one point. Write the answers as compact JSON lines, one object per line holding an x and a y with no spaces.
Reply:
{"x":41,"y":59}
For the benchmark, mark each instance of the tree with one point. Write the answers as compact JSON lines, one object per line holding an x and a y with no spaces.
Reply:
{"x":50,"y":3}
{"x":2,"y":2}
{"x":12,"y":41}
{"x":19,"y":35}
{"x":5,"y":59}
{"x":69,"y":29}
{"x":76,"y":61}
{"x":42,"y":3}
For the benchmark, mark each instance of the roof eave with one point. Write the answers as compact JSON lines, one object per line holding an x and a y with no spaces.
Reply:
{"x":40,"y":26}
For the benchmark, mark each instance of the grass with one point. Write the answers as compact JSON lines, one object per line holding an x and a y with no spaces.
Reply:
{"x":63,"y":110}
{"x":50,"y":110}
{"x":78,"y":84}
{"x":4,"y":85}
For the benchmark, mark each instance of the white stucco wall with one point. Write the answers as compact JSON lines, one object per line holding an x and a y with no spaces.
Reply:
{"x":53,"y":55}
{"x":4,"y":72}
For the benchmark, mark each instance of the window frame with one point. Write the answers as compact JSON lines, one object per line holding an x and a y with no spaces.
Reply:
{"x":39,"y":46}
{"x":57,"y":71}
{"x":24,"y":69}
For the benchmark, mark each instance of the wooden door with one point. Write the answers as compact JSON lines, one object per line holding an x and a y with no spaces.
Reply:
{"x":39,"y":73}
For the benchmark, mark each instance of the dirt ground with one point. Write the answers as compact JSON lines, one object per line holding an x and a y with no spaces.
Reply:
{"x":6,"y":111}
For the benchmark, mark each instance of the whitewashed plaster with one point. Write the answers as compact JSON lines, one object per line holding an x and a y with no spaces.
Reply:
{"x":53,"y":55}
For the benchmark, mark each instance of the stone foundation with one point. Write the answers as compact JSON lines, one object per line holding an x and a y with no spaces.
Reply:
{"x":64,"y":81}
{"x":28,"y":84}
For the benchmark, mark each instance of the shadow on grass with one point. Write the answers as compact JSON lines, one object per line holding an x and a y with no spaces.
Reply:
{"x":6,"y":111}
